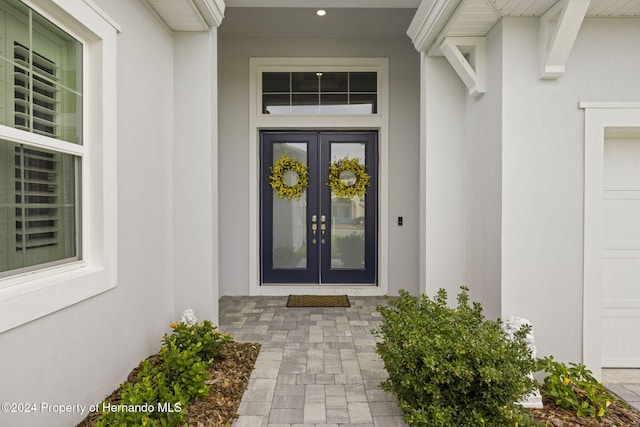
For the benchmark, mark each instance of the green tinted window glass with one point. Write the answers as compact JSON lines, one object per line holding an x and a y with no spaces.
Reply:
{"x":37,"y":206}
{"x":40,"y":75}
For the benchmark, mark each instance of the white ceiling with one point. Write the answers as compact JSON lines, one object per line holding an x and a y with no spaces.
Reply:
{"x":394,"y":4}
{"x":247,"y":22}
{"x":354,"y":18}
{"x":598,"y":8}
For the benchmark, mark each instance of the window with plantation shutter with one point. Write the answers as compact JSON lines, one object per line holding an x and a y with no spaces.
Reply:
{"x":35,"y":95}
{"x":45,"y":203}
{"x":40,"y":94}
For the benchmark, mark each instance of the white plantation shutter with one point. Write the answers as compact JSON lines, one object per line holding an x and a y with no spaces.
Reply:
{"x":44,"y":213}
{"x":36,"y":92}
{"x":37,"y":186}
{"x":39,"y":175}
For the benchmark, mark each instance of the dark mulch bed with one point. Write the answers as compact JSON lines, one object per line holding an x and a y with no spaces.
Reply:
{"x":230,"y":375}
{"x":619,"y":414}
{"x":229,"y":378}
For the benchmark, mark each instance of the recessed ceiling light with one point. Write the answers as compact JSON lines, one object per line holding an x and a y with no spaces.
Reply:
{"x":321,"y":12}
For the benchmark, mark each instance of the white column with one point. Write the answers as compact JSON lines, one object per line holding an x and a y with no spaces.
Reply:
{"x":195,"y":174}
{"x":423,"y":173}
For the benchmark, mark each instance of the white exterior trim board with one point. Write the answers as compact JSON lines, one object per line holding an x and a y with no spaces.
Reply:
{"x":258,"y":122}
{"x":600,"y":118}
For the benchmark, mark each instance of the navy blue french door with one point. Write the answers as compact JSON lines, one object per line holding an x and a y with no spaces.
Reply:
{"x":319,"y":237}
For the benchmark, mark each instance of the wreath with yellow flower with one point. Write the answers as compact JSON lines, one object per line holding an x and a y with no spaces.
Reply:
{"x":342,"y":188}
{"x":279,"y":169}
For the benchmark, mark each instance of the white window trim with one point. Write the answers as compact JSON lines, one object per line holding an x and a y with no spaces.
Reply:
{"x":259,"y":121}
{"x":29,"y":296}
{"x":601,"y":118}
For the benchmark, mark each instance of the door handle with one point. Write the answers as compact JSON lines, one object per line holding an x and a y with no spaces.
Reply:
{"x":323,"y":227}
{"x":314,"y":228}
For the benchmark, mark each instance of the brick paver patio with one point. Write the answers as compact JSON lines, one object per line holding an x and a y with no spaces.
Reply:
{"x":317,"y":366}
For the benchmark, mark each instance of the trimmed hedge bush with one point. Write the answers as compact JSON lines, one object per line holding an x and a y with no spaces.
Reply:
{"x":166,"y":386}
{"x":451,"y":366}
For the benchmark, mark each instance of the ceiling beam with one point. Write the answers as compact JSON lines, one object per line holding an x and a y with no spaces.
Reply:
{"x":559,"y":28}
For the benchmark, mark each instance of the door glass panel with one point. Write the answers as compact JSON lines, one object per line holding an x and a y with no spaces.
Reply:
{"x":290,"y":216}
{"x":347,"y":215}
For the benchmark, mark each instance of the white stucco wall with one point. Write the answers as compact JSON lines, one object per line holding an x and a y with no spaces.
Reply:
{"x":463,"y":181}
{"x":443,"y":156}
{"x":82,"y":353}
{"x":483,"y":136}
{"x":543,"y":171}
{"x":194,"y":183}
{"x":234,"y":145}
{"x":520,"y":149}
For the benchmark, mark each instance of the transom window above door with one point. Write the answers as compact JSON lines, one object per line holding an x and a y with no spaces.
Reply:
{"x":320,"y":93}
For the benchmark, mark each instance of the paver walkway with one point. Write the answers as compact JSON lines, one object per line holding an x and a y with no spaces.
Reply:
{"x":625,"y":383}
{"x":317,"y":366}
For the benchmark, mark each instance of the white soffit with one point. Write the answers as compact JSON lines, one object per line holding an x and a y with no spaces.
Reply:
{"x":438,"y":19}
{"x":473,"y":18}
{"x":597,"y":8}
{"x":189,"y":15}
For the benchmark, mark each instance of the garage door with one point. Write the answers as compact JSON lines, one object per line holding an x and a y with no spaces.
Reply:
{"x":621,"y":254}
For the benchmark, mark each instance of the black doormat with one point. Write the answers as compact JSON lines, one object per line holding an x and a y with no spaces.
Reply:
{"x":318,"y":301}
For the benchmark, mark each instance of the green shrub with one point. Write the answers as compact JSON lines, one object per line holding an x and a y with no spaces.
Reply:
{"x":202,"y":337}
{"x":151,"y":401}
{"x":185,"y":369}
{"x":574,"y":387}
{"x":163,"y":388}
{"x":450,"y":366}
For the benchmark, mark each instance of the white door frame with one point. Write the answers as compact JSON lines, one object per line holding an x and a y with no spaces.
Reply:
{"x":601,"y":120}
{"x":259,"y":121}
